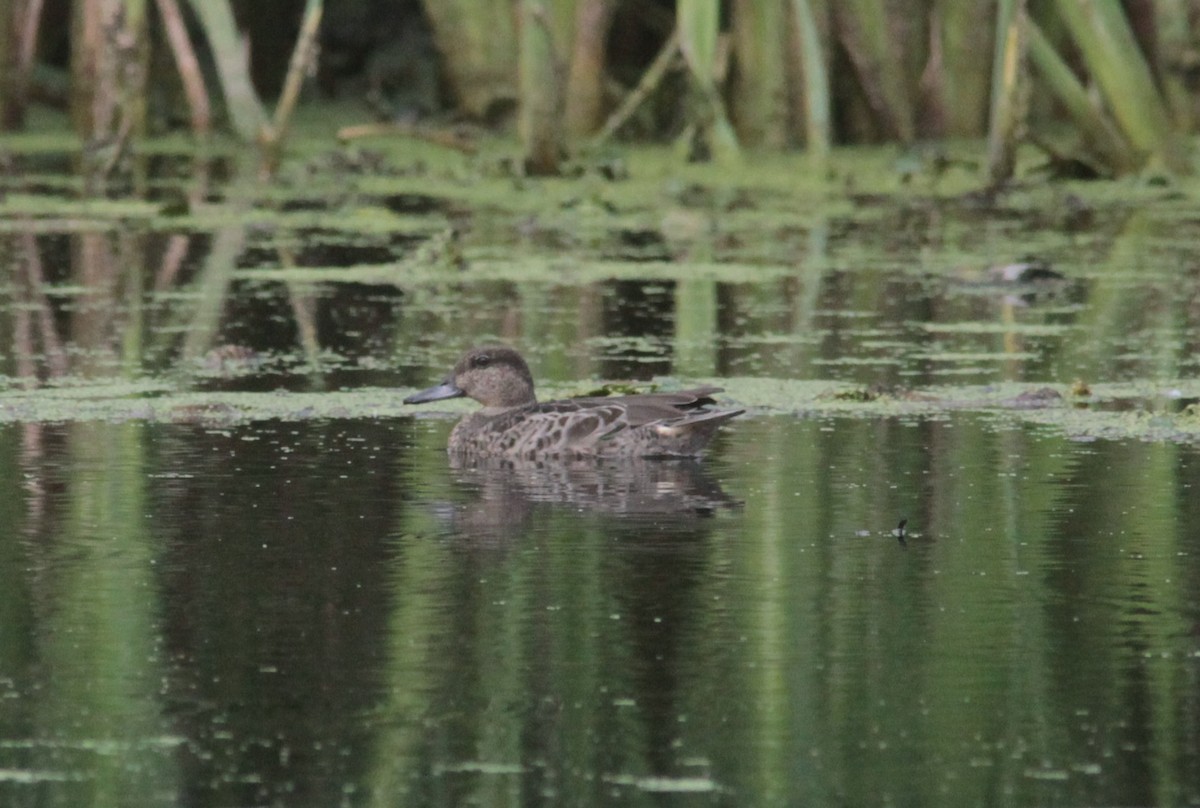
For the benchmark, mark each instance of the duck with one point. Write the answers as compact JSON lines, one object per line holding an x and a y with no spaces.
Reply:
{"x":513,"y":423}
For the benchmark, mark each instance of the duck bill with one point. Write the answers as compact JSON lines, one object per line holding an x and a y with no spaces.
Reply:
{"x":443,"y":390}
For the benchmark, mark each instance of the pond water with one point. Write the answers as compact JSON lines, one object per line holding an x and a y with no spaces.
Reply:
{"x":235,"y":570}
{"x":327,"y":612}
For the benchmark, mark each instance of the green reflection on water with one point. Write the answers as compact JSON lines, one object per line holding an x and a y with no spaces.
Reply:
{"x":812,"y":658}
{"x":437,"y":634}
{"x":85,"y":718}
{"x":350,"y":618}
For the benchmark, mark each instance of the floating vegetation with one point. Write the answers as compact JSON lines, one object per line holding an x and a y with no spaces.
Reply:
{"x":1113,"y":411}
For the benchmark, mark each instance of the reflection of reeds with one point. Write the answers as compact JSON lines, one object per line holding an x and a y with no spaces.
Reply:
{"x":212,"y":289}
{"x":97,"y":319}
{"x":33,"y":305}
{"x":105,"y":326}
{"x":303,"y":301}
{"x":179,"y":244}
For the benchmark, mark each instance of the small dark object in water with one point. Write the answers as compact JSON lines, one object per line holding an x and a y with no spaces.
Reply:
{"x":1035,"y":399}
{"x":1077,"y":213}
{"x":231,"y":360}
{"x":1062,"y":166}
{"x":901,"y":533}
{"x":1072,"y":168}
{"x":640,"y":239}
{"x":1030,"y":269}
{"x":1024,"y":282}
{"x":858,"y":394}
{"x":613,"y":170}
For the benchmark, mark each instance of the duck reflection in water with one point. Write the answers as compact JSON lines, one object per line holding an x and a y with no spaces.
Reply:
{"x":513,"y":423}
{"x":505,"y":493}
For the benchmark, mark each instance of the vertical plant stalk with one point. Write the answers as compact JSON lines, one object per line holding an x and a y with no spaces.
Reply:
{"x":87,"y":75}
{"x":1113,"y":57}
{"x":758,"y":98}
{"x":108,"y":89}
{"x":188,"y":66}
{"x":540,"y":81}
{"x":965,"y":68}
{"x":304,"y":58}
{"x":231,"y":53}
{"x":646,"y":85}
{"x":699,"y":29}
{"x":1008,"y":108}
{"x":30,"y":22}
{"x":817,"y":105}
{"x":862,"y":28}
{"x":1095,"y":127}
{"x":19,"y":21}
{"x":585,"y":81}
{"x":1176,"y":52}
{"x":478,"y":44}
{"x":932,"y":88}
{"x":303,"y":62}
{"x":9,"y":118}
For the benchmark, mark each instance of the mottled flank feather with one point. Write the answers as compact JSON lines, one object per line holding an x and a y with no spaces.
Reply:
{"x":513,"y":423}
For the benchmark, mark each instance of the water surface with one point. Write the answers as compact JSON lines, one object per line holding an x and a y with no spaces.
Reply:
{"x":331,"y":612}
{"x":235,"y":570}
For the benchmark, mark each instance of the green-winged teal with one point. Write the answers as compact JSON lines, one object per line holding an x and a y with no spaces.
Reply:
{"x":513,"y":422}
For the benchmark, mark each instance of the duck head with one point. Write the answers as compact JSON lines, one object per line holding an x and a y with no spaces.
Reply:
{"x":494,"y":375}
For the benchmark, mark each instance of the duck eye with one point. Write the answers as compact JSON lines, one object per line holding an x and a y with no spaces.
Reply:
{"x":481,"y":361}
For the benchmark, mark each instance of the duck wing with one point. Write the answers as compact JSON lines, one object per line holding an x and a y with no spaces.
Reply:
{"x":647,"y":424}
{"x":649,"y":408}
